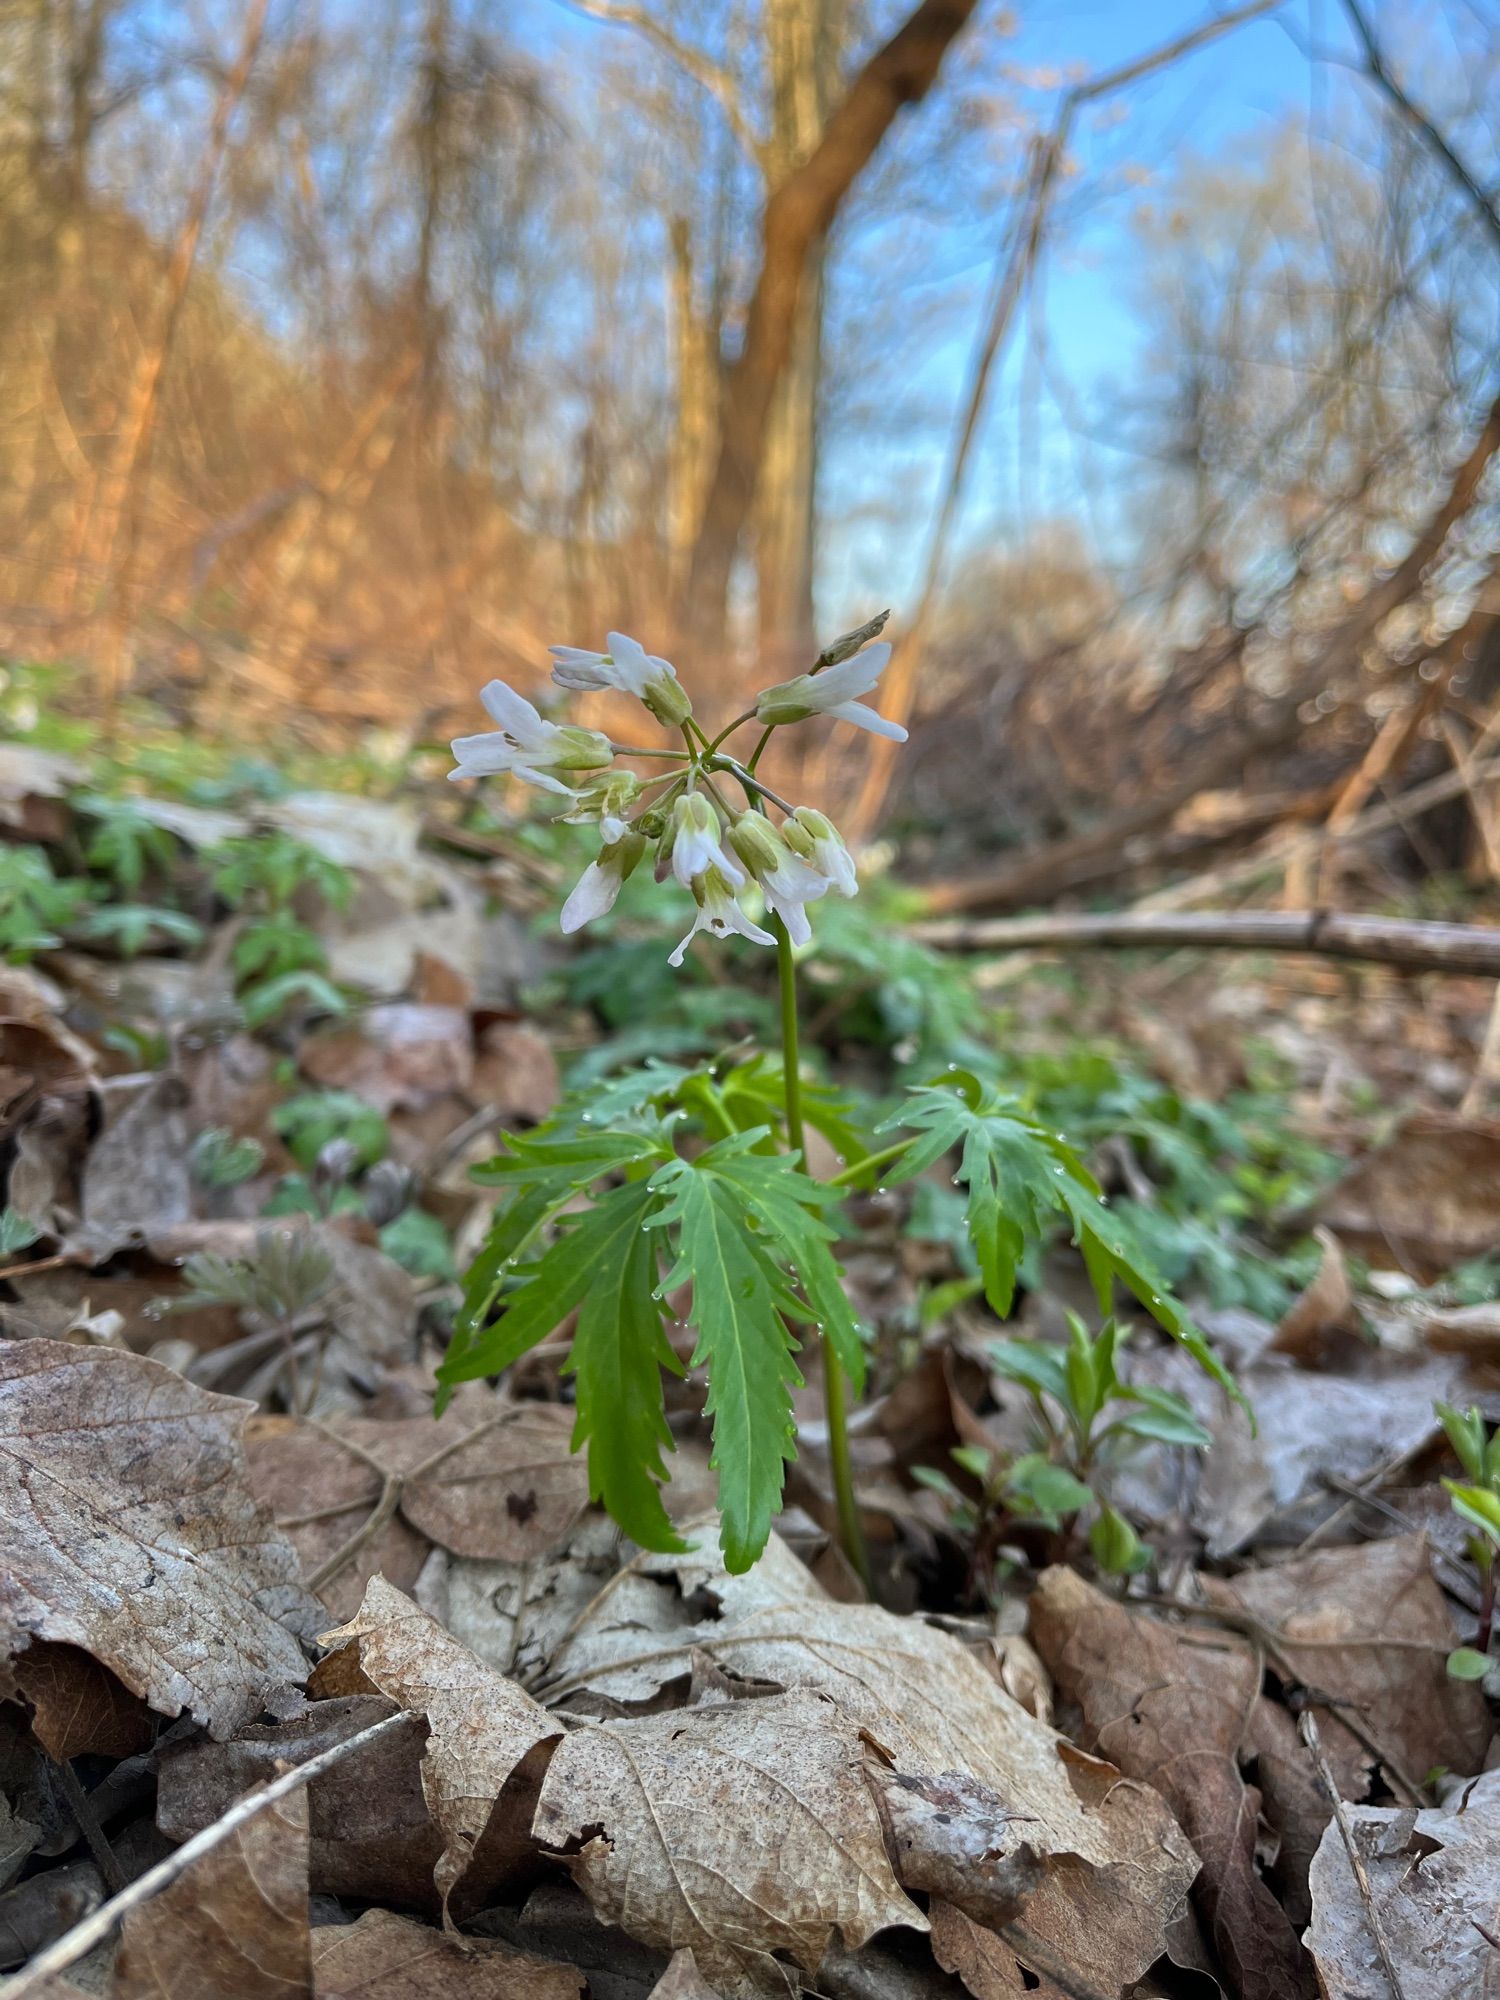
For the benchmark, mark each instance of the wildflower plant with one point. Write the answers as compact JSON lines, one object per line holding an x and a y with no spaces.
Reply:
{"x":691,"y":1187}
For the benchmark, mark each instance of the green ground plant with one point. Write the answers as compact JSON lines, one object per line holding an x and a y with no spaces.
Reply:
{"x":662,"y":1177}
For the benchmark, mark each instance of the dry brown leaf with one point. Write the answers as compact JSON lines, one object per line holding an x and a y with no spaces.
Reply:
{"x":373,"y":1838}
{"x":503,"y":1485}
{"x":682,"y":1980}
{"x":76,"y":1705}
{"x":233,"y":1926}
{"x":132,"y":1533}
{"x":18,"y":1837}
{"x":1171,"y":1707}
{"x":517,"y":1072}
{"x":137,"y":1177}
{"x":488,"y":1744}
{"x":44,"y":1906}
{"x":740,"y":1829}
{"x":1434,"y":1878}
{"x":1426,"y":1199}
{"x":404,"y":1055}
{"x":932,"y":1706}
{"x":1378,"y":1632}
{"x":1323,"y":1308}
{"x":1310,"y":1424}
{"x":951,"y":1836}
{"x":1473,"y":1331}
{"x":386,"y":1957}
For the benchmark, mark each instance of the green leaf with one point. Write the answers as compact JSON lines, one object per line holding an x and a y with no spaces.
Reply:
{"x":618,"y":1353}
{"x":17,"y":1231}
{"x":1051,"y":1489}
{"x":313,"y":1118}
{"x":1466,"y":1434}
{"x":1116,"y":1546}
{"x":582,"y":1257}
{"x":419,"y":1243}
{"x":1035,"y":1365}
{"x":1465,"y":1664}
{"x":1018,"y":1176}
{"x":785,"y":1203}
{"x":740,"y":1301}
{"x":974,"y":1458}
{"x":269,"y":998}
{"x":1163,"y":1427}
{"x":1478,"y":1506}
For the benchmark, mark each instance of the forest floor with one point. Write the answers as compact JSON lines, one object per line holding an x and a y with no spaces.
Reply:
{"x":1199,"y":1703}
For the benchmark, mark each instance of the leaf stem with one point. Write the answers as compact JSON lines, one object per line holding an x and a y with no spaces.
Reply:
{"x":639,"y":750}
{"x":871,"y":1161}
{"x":835,"y":1386}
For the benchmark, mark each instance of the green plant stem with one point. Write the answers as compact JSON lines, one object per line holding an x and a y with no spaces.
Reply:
{"x":835,"y":1385}
{"x":871,"y":1163}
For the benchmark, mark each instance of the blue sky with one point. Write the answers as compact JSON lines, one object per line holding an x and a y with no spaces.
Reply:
{"x":1218,"y":99}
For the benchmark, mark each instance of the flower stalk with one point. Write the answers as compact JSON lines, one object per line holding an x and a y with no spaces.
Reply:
{"x":724,"y":858}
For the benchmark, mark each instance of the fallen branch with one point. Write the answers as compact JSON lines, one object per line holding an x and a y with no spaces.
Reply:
{"x":93,"y":1929}
{"x":1415,"y":947}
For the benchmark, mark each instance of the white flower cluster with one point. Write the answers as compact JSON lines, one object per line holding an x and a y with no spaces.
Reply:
{"x":718,"y":854}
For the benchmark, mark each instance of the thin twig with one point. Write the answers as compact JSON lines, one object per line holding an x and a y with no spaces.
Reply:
{"x":81,"y":1939}
{"x":1307,"y":1726}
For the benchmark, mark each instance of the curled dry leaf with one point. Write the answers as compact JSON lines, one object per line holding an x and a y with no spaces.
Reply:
{"x":132,"y":1533}
{"x":1376,"y":1632}
{"x":1434,"y":1879}
{"x":233,"y":1926}
{"x":44,"y":1906}
{"x":739,"y":1830}
{"x":488,"y":1745}
{"x":1171,"y":1707}
{"x":372,"y":1837}
{"x":932,"y":1707}
{"x":1323,"y":1308}
{"x":386,"y":1957}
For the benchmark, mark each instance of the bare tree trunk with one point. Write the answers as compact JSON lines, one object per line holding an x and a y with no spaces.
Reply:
{"x":695,"y":431}
{"x":797,"y":41}
{"x":796,"y":220}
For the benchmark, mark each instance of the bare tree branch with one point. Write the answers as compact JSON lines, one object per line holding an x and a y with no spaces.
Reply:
{"x":719,"y":84}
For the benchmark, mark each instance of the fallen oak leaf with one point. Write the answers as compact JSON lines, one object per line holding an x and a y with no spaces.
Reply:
{"x":133,"y":1534}
{"x":1171,"y":1707}
{"x":488,"y":1744}
{"x":388,"y":1957}
{"x":233,"y":1926}
{"x":1121,"y":1865}
{"x":743,"y":1830}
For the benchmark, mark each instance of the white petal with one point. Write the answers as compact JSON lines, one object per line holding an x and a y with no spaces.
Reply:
{"x":543,"y":780}
{"x":593,"y":894}
{"x":612,"y":828}
{"x":575,"y":656}
{"x":866,"y":718}
{"x":514,"y":714}
{"x":791,"y":913}
{"x":837,"y":864}
{"x":852,"y":676}
{"x":676,"y":957}
{"x":483,"y":756}
{"x":580,"y":675}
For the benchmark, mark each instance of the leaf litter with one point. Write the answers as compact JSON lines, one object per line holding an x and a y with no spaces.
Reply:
{"x":636,"y":1775}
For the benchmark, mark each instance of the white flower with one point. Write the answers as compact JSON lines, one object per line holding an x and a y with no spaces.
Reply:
{"x":786,"y":882}
{"x":719,"y":913}
{"x":603,"y":799}
{"x":833,"y":693}
{"x":695,"y":846}
{"x":526,"y":746}
{"x":814,"y":837}
{"x":596,"y":889}
{"x":629,"y":669}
